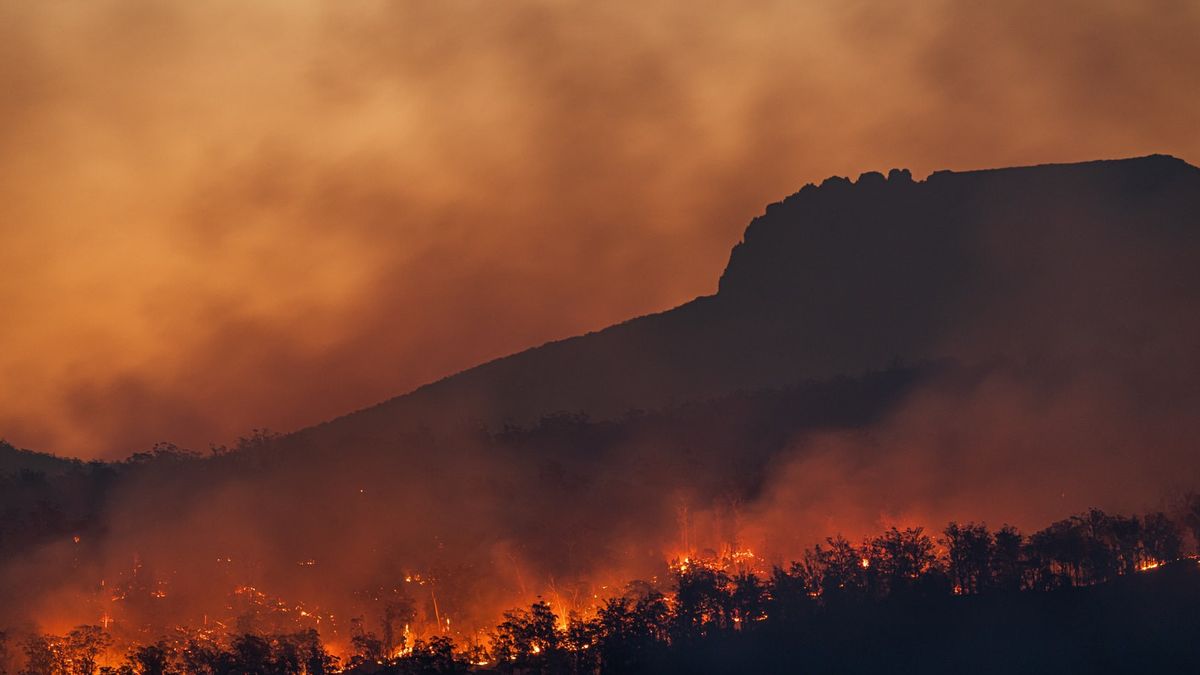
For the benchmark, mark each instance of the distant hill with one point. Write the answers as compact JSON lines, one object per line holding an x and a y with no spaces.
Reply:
{"x":1039,"y":262}
{"x":15,"y":460}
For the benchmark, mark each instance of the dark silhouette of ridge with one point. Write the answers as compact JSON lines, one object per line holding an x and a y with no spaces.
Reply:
{"x":846,"y":277}
{"x":15,"y":460}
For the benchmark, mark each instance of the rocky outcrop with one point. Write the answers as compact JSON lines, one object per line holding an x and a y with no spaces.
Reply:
{"x":846,"y":277}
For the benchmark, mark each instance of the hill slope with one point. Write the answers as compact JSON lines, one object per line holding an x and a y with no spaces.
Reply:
{"x":15,"y":460}
{"x":1038,"y":262}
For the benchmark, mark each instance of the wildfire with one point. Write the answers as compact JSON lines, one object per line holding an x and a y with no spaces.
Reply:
{"x":430,"y":596}
{"x":742,"y":556}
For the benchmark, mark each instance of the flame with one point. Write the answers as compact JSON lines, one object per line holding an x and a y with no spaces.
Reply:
{"x":115,"y":603}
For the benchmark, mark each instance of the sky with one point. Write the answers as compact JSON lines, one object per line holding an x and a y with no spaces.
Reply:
{"x":222,"y":216}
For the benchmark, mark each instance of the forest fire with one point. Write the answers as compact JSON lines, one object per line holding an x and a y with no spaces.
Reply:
{"x":424,"y":536}
{"x":699,"y":598}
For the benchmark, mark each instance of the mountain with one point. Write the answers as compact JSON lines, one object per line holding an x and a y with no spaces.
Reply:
{"x":994,"y":346}
{"x":1050,"y":262}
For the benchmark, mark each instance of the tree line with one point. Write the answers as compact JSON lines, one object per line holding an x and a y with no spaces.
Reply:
{"x":706,"y":607}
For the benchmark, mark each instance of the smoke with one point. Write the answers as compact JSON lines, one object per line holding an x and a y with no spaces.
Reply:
{"x":220,"y":217}
{"x":1084,"y":390}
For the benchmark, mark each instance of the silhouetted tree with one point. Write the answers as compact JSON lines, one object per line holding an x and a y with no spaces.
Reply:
{"x":748,"y":601}
{"x":368,"y":648}
{"x":205,"y":658}
{"x":397,"y":614}
{"x":252,"y":655}
{"x":1101,"y":560}
{"x":1160,"y":537}
{"x":629,"y":629}
{"x":1190,"y":516}
{"x":82,"y":647}
{"x":899,"y":558}
{"x":581,"y":641}
{"x":43,"y":656}
{"x":702,"y":602}
{"x":434,"y":656}
{"x":1057,"y":555}
{"x":970,"y":551}
{"x":791,"y":597}
{"x":1007,"y":566}
{"x":528,"y":640}
{"x":1125,"y":536}
{"x":316,"y":660}
{"x":151,"y":659}
{"x":837,"y":570}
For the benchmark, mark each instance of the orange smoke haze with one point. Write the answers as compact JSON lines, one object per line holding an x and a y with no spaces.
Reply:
{"x":217,"y":216}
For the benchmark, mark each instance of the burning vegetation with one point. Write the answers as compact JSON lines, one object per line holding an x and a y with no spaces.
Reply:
{"x":702,"y":603}
{"x":379,"y":547}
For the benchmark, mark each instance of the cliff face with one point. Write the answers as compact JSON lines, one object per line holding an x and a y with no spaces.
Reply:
{"x":966,"y":263}
{"x":1038,"y":263}
{"x":883,"y":226}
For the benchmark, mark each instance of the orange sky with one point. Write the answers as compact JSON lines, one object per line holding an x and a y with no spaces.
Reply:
{"x":224,"y":215}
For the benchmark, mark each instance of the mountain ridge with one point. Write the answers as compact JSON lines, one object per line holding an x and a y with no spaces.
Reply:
{"x":810,"y":285}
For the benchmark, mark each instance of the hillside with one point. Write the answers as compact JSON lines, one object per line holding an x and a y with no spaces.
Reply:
{"x":1000,"y":346}
{"x":15,"y":460}
{"x":844,"y":277}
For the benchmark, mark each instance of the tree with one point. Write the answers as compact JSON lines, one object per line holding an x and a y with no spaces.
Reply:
{"x":838,"y":571}
{"x":528,"y":639}
{"x":1161,"y":540}
{"x":316,"y":660}
{"x":252,"y":655}
{"x":1101,"y":558}
{"x":397,"y":614}
{"x":151,"y":659}
{"x":900,"y":558}
{"x":1191,"y":516}
{"x":83,"y":646}
{"x":433,"y":657}
{"x":748,"y":601}
{"x":628,"y":630}
{"x":1057,"y":555}
{"x":970,"y":550}
{"x":43,"y":655}
{"x":702,"y":602}
{"x":1125,"y":539}
{"x":582,"y":642}
{"x":1007,"y":565}
{"x":791,"y":598}
{"x":368,"y":648}
{"x":203,"y":656}
{"x":615,"y":627}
